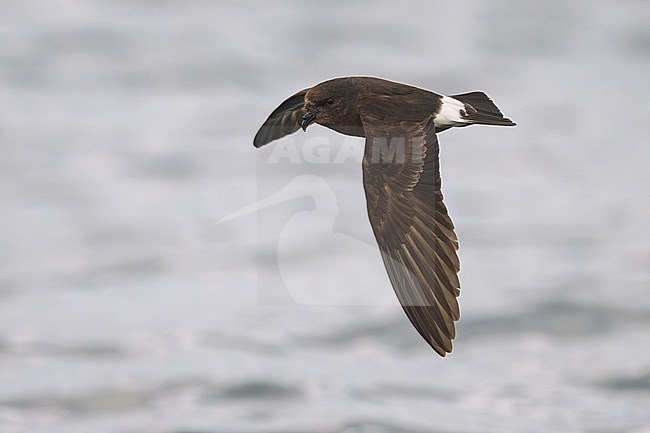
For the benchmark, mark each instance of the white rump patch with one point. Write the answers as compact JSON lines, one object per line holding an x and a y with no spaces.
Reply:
{"x":450,"y":112}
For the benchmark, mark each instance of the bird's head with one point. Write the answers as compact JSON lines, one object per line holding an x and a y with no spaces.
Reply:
{"x":330,"y":104}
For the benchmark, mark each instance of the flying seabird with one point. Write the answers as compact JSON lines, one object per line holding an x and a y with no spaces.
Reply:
{"x":401,"y":179}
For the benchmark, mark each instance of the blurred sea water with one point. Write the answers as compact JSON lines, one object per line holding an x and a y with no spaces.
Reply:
{"x":126,"y":134}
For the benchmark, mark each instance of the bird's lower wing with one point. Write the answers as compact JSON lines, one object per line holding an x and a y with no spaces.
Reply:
{"x":401,"y":176}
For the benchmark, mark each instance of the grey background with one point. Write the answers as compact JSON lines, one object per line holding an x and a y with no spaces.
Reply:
{"x":126,"y":133}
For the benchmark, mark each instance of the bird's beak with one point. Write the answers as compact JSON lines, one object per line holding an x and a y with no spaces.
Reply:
{"x":307,"y":119}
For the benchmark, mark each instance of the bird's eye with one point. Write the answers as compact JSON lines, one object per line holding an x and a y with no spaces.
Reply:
{"x":329,"y":101}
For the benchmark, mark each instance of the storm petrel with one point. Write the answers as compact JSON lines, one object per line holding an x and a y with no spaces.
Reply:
{"x":401,"y":179}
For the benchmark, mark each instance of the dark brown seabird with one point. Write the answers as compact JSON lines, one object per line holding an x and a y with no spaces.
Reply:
{"x":401,"y":178}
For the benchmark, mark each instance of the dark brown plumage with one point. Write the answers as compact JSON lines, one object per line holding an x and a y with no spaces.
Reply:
{"x":401,"y":178}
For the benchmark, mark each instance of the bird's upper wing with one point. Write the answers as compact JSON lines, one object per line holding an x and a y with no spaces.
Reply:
{"x":284,"y":120}
{"x":401,"y":178}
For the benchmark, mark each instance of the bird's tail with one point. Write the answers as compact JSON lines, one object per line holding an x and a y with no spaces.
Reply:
{"x":481,"y":110}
